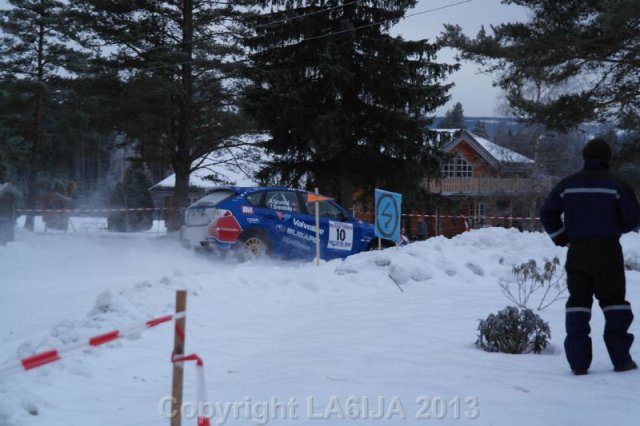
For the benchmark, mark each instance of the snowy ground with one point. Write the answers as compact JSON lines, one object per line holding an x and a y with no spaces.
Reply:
{"x":308,"y":342}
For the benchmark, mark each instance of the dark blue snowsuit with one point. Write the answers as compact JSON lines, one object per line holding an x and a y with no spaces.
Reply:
{"x":597,"y":209}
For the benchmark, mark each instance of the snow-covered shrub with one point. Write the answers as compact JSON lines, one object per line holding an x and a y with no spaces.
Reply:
{"x":513,"y":331}
{"x":632,"y":262}
{"x":530,"y":284}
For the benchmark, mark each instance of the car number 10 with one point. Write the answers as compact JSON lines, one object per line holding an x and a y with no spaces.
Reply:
{"x":340,"y":236}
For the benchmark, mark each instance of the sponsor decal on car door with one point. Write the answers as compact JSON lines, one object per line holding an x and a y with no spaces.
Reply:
{"x":295,"y":235}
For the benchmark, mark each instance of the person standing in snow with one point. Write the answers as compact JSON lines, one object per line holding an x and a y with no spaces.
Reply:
{"x":423,"y":229}
{"x":588,"y":212}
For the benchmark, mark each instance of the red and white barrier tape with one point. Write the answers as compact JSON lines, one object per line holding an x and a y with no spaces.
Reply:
{"x":140,"y":209}
{"x":53,"y":355}
{"x":71,"y":211}
{"x":459,"y":216}
{"x":200,"y":383}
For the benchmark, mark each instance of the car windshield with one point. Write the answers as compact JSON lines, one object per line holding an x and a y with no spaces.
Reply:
{"x":327,"y":209}
{"x":214,"y":198}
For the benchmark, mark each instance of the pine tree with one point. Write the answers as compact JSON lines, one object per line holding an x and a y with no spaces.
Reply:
{"x":35,"y":61}
{"x":344,"y":101}
{"x":454,"y":118}
{"x":574,"y":61}
{"x":176,"y":60}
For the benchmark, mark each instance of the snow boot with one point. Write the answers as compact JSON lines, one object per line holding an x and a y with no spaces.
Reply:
{"x":631,"y":366}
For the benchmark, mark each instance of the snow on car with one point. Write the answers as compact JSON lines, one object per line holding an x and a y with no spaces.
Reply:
{"x":278,"y":222}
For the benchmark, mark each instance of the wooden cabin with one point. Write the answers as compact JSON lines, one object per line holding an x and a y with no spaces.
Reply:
{"x":483,"y":184}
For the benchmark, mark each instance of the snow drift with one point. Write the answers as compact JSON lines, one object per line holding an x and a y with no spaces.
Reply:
{"x":339,"y":343}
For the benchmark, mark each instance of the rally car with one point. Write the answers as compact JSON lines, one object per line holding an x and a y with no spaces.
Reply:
{"x":275,"y":222}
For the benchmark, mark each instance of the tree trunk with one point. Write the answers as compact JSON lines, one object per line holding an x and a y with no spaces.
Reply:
{"x":36,"y":145}
{"x":346,"y":194}
{"x":183,"y":135}
{"x":32,"y":180}
{"x":537,"y":174}
{"x":180,"y":196}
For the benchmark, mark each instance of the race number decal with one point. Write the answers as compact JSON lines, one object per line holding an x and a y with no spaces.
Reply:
{"x":340,"y":236}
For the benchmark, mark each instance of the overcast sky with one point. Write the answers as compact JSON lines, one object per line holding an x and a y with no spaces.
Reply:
{"x":472,"y":89}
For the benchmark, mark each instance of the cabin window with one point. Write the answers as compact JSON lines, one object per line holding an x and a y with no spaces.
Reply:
{"x":457,"y":167}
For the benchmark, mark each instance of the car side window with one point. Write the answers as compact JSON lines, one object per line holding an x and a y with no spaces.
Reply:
{"x":326,"y":210}
{"x":282,"y":200}
{"x":255,"y":198}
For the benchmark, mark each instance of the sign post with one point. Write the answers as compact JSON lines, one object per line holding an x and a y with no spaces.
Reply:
{"x":317,"y":199}
{"x":387,"y":218}
{"x":388,"y":214}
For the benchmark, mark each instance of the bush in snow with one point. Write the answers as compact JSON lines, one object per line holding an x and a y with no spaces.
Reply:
{"x":131,"y":193}
{"x":513,"y":331}
{"x":547,"y":284}
{"x":632,"y":262}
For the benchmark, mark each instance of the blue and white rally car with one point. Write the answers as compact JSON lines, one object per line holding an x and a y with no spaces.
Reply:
{"x":277,"y":222}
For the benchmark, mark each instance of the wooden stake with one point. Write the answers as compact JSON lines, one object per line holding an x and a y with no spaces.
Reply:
{"x":178,"y":349}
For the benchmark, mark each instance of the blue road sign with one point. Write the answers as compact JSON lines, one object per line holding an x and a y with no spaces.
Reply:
{"x":387,"y":220}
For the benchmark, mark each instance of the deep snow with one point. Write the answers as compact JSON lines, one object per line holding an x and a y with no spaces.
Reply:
{"x":291,"y":333}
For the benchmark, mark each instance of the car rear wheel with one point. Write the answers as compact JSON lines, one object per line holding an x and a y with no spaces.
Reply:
{"x":254,"y":246}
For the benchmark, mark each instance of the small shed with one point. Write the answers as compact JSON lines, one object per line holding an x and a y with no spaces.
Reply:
{"x":9,"y":196}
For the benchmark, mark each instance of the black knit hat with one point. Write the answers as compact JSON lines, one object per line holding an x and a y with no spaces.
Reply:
{"x":597,"y":149}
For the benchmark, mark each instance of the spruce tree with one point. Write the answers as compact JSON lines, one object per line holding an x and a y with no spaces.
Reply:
{"x":454,"y":118}
{"x":574,"y":61}
{"x":345,"y":102}
{"x":35,"y":62}
{"x":175,"y":59}
{"x":480,"y":129}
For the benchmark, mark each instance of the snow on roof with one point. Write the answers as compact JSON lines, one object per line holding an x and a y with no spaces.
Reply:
{"x":501,"y":153}
{"x":498,"y":153}
{"x":10,"y":189}
{"x":237,"y":166}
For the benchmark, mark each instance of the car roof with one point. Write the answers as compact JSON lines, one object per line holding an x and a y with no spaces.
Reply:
{"x":256,"y":188}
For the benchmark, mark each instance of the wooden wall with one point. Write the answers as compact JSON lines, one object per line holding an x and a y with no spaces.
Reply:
{"x":481,"y":168}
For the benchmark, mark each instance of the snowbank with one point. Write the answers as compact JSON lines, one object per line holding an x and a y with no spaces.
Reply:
{"x":315,"y":339}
